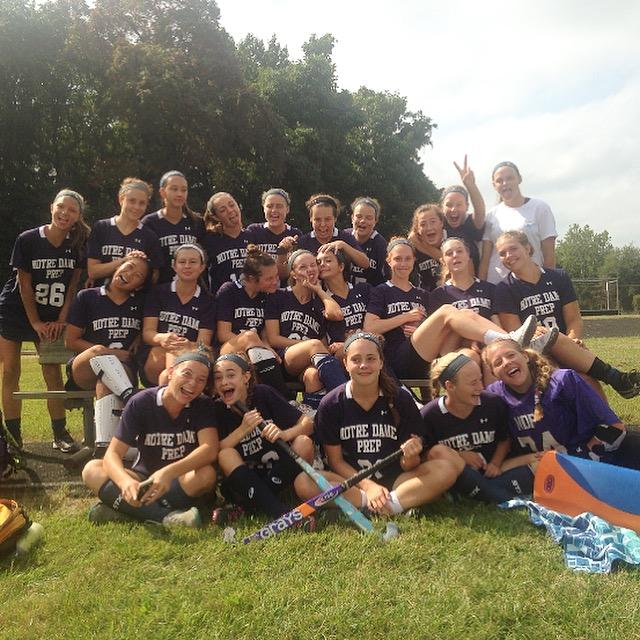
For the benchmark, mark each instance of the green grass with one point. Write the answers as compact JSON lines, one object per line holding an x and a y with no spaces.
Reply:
{"x":457,"y":571}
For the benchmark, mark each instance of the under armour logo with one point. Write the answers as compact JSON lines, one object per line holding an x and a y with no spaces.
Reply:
{"x":194,"y":308}
{"x":138,"y":241}
{"x":484,"y":420}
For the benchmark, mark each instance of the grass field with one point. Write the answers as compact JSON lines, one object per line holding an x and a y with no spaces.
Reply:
{"x":456,"y":571}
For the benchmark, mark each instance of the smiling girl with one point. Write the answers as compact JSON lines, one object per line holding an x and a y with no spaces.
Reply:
{"x":255,"y":470}
{"x":366,"y":419}
{"x":553,"y":408}
{"x":35,"y":302}
{"x":174,"y":224}
{"x":426,"y":236}
{"x":225,"y":240}
{"x":173,"y":430}
{"x":516,"y":212}
{"x":111,"y":240}
{"x":178,"y":315}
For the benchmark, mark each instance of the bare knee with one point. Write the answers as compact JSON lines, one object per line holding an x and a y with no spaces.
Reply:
{"x":229,"y":459}
{"x":304,"y":447}
{"x":94,"y":475}
{"x":202,"y":481}
{"x":441,"y":452}
{"x":311,"y":380}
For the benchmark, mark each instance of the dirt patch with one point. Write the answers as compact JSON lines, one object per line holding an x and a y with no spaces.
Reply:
{"x":616,"y":327}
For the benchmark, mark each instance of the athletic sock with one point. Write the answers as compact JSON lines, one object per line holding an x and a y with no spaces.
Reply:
{"x":14,"y":427}
{"x":472,"y":484}
{"x":394,"y":504}
{"x":604,"y":372}
{"x":253,"y":493}
{"x":330,"y":370}
{"x":267,"y":369}
{"x":177,"y":497}
{"x":59,"y":426}
{"x":312,"y":398}
{"x":155,"y":512}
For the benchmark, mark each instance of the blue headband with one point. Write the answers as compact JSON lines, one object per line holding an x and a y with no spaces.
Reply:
{"x":362,"y":335}
{"x":394,"y":243}
{"x":236,"y":359}
{"x":294,"y":256}
{"x":450,"y":371}
{"x":194,"y":356}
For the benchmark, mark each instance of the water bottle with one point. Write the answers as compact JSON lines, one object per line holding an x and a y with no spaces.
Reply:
{"x":29,"y":539}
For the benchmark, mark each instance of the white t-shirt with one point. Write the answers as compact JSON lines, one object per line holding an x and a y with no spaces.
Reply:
{"x":534,"y":217}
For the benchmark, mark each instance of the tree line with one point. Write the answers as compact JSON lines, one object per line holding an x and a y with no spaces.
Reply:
{"x":586,"y":254}
{"x":91,"y":94}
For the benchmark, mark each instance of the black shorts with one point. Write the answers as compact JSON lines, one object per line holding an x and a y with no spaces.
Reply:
{"x":406,"y":363}
{"x":16,"y":327}
{"x":279,"y":475}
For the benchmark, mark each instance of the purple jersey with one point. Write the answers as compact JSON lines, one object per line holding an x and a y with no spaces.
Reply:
{"x":171,"y":235}
{"x":105,"y":322}
{"x":480,"y":431}
{"x":375,"y":249}
{"x":297,"y":321}
{"x":237,"y":307}
{"x":309,"y":241}
{"x":272,"y":407}
{"x":478,"y":297}
{"x":389,"y":301}
{"x":427,"y":271}
{"x":51,"y":269}
{"x":468,"y":232}
{"x":107,"y":243}
{"x":226,"y":257}
{"x":267,"y":240}
{"x":544,"y":299}
{"x":184,"y":320}
{"x":354,"y":307}
{"x":572,"y":410}
{"x":159,"y":438}
{"x":367,"y":436}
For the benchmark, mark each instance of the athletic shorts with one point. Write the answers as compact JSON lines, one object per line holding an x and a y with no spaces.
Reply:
{"x":406,"y":363}
{"x":278,"y":476}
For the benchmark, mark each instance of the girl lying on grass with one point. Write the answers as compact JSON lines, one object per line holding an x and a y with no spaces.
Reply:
{"x":553,"y":408}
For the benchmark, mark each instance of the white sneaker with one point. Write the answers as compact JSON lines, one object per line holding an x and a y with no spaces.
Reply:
{"x":544,"y":342}
{"x":189,"y":518}
{"x":524,"y":334}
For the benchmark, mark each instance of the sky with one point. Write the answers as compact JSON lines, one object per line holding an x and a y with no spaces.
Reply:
{"x":552,"y":86}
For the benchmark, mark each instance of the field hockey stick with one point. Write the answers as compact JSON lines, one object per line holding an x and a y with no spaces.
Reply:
{"x":355,"y":515}
{"x":313,"y":504}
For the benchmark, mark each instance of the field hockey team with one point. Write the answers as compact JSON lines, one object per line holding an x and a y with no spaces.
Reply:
{"x":447,"y":343}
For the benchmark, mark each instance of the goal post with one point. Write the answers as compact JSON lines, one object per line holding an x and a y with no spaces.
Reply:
{"x":598,"y":295}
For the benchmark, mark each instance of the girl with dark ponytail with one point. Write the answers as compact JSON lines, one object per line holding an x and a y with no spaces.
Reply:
{"x":366,"y":419}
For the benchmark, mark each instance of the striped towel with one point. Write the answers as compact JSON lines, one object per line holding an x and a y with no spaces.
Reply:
{"x":590,"y":543}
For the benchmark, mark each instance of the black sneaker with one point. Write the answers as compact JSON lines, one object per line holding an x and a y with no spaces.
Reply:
{"x":65,"y":442}
{"x":628,"y":384}
{"x":223,"y":516}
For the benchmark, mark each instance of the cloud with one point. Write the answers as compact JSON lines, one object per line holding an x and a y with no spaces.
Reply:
{"x":554,"y":86}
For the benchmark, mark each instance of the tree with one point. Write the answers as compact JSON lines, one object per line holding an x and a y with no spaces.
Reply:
{"x":624,"y":264}
{"x":582,"y":251}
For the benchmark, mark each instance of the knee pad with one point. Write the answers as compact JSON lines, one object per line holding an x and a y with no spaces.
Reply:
{"x":107,"y":417}
{"x":111,"y":373}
